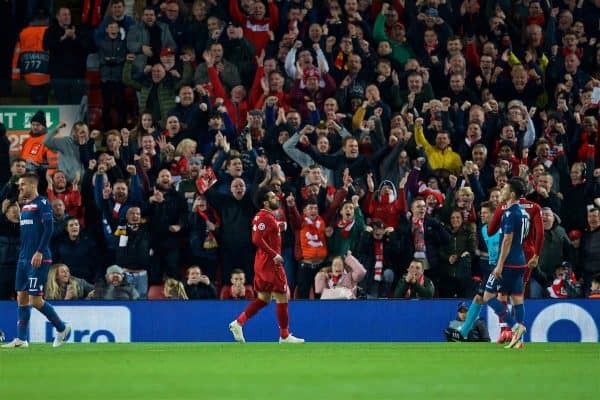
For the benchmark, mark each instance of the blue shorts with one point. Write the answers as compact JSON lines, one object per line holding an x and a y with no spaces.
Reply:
{"x":486,"y":270}
{"x":32,"y":280}
{"x":510,"y":283}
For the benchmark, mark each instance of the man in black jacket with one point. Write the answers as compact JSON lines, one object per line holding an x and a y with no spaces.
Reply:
{"x":380,"y":252}
{"x":426,"y":236}
{"x":68,"y":48}
{"x":236,"y":211}
{"x":168,"y":213}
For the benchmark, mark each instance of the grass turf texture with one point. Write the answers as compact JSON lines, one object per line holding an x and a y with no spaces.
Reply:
{"x":310,"y":371}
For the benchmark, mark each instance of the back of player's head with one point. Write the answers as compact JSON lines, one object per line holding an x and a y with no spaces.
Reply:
{"x":517,"y":186}
{"x":596,"y":279}
{"x":262,"y":196}
{"x":30,"y":177}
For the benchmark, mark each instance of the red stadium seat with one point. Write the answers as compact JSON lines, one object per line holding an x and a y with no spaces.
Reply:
{"x":156,"y":292}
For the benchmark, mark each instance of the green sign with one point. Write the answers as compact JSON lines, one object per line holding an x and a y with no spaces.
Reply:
{"x":18,"y":118}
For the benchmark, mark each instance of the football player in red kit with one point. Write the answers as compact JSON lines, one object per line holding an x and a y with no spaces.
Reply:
{"x":269,"y":275}
{"x":532,"y":244}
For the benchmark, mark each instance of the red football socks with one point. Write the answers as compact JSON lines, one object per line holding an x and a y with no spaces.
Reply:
{"x":250,"y":311}
{"x":283,"y":319}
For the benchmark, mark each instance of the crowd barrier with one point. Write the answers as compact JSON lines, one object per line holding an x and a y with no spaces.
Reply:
{"x":317,"y":321}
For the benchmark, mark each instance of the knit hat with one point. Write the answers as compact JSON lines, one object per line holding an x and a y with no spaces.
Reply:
{"x":311,"y":72}
{"x":114,"y":269}
{"x":574,"y":234}
{"x":39,"y":117}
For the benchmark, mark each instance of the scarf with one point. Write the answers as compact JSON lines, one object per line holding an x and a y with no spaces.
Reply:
{"x":378,"y":246}
{"x":210,"y":240}
{"x":116,"y":208}
{"x":431,"y":48}
{"x":418,"y":231}
{"x":388,"y":198}
{"x":345,"y":228}
{"x":536,"y":20}
{"x":420,"y":283}
{"x":334,"y":280}
{"x":340,"y":62}
{"x":312,"y":233}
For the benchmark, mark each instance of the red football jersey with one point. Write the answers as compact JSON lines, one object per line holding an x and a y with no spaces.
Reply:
{"x":268,"y":276}
{"x":534,"y":240}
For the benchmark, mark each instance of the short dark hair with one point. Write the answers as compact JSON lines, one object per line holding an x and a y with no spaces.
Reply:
{"x":31,"y":176}
{"x":237,"y":271}
{"x":596,"y":278}
{"x":263,"y":194}
{"x":517,"y":186}
{"x":16,"y":160}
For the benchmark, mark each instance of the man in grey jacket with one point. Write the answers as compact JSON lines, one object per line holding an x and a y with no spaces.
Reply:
{"x":147,"y":38}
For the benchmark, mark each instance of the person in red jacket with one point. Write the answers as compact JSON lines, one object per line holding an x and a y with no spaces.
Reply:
{"x":258,"y":27}
{"x":269,"y":275}
{"x":236,"y":104}
{"x":238,"y":290}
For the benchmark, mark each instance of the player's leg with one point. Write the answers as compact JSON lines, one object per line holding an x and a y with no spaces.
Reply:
{"x":262,"y":300}
{"x":517,"y":300}
{"x":492,"y":288}
{"x":283,"y":319}
{"x":23,"y":309}
{"x":37,"y":282}
{"x":473,"y":312}
{"x":505,"y":330}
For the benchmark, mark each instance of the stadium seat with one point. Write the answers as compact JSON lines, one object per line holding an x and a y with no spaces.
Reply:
{"x":156,"y":292}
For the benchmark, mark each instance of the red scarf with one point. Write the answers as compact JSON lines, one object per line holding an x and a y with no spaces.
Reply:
{"x":345,"y":228}
{"x":537,"y":20}
{"x":420,"y":283}
{"x":378,"y":245}
{"x":340,"y":62}
{"x":418,"y":230}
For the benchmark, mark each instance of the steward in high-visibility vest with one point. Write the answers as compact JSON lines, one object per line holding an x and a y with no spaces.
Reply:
{"x":37,"y":155}
{"x":30,"y":60}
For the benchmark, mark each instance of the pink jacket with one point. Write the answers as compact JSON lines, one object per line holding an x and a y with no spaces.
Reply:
{"x":348,"y":280}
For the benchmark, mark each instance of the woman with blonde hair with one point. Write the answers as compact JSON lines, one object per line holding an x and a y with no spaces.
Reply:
{"x":62,"y":286}
{"x":174,"y":290}
{"x":185,"y":150}
{"x":341,"y":279}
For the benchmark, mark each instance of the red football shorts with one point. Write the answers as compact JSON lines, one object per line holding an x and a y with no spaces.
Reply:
{"x":270,"y":278}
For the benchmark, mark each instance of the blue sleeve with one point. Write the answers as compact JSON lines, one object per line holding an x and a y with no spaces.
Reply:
{"x":270,"y":117}
{"x":314,"y":117}
{"x":98,"y":187}
{"x":47,"y":225}
{"x":229,"y":128}
{"x":136,"y":191}
{"x":508,"y":222}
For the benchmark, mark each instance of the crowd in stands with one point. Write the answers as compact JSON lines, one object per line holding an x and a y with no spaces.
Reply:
{"x":387,"y":128}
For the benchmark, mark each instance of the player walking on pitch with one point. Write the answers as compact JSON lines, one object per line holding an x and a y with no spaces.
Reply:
{"x":269,"y":276}
{"x":532,"y":246}
{"x":34,"y":263}
{"x":507,"y":276}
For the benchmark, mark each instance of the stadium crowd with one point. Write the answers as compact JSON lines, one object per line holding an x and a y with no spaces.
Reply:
{"x":386,"y":128}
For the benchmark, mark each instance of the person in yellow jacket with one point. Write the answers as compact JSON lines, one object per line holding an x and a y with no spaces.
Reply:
{"x":30,"y":60}
{"x":34,"y":152}
{"x":440,"y":156}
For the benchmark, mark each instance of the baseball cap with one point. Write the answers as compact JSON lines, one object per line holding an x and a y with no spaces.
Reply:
{"x":462,"y":306}
{"x":432,"y":12}
{"x":114,"y":269}
{"x":167,"y":51}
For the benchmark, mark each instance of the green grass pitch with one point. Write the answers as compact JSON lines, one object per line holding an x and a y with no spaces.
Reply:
{"x":312,"y":371}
